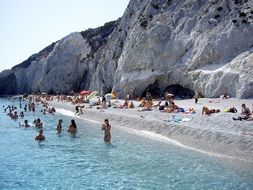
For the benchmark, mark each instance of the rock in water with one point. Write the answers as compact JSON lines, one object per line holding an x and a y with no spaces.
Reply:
{"x":205,"y":46}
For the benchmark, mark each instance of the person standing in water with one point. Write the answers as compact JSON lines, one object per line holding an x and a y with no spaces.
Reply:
{"x":38,"y":124}
{"x":40,"y":136}
{"x":59,"y":127}
{"x":77,"y":110}
{"x":72,"y":128}
{"x":25,"y":125}
{"x":106,"y":127}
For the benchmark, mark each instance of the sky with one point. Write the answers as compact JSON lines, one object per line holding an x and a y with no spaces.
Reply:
{"x":28,"y":26}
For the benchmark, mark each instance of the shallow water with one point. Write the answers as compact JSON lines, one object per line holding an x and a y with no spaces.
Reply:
{"x":134,"y":160}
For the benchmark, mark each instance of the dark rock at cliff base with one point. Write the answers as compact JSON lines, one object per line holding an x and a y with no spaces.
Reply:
{"x":8,"y":82}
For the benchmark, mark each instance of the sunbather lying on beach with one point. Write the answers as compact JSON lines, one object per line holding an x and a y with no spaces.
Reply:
{"x":191,"y":110}
{"x":147,"y":105}
{"x":207,"y":111}
{"x":142,"y":103}
{"x":157,"y":105}
{"x":131,"y":105}
{"x":172,"y":107}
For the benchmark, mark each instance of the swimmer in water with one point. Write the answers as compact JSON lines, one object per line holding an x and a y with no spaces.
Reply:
{"x":40,"y":136}
{"x":25,"y":125}
{"x":72,"y":128}
{"x":14,"y":116}
{"x":59,"y":127}
{"x":38,"y":123}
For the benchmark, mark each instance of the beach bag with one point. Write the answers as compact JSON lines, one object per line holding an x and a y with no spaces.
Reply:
{"x":233,"y":110}
{"x":181,"y":110}
{"x":161,"y":107}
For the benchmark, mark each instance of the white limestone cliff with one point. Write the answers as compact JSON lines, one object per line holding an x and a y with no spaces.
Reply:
{"x":201,"y":45}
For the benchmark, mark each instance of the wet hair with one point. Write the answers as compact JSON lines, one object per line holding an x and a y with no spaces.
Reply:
{"x":73,"y":123}
{"x":243,"y":105}
{"x":26,"y":121}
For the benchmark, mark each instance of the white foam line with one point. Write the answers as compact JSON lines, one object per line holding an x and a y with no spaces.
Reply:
{"x":154,"y":136}
{"x":72,"y":114}
{"x":66,"y":112}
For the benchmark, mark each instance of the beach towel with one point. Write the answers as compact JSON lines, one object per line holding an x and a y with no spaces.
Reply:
{"x":231,"y":110}
{"x":186,"y":119}
{"x":213,"y":101}
{"x":175,"y":119}
{"x":181,"y":110}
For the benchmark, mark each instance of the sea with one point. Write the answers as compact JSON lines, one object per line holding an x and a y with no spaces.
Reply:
{"x":133,"y":160}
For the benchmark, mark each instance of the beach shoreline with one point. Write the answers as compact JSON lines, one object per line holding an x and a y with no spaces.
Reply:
{"x":216,"y":135}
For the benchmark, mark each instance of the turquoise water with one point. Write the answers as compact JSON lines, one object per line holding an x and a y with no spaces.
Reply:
{"x":132,"y":161}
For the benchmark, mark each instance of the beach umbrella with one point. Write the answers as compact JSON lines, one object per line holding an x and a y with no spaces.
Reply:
{"x":92,"y":95}
{"x":84,"y":92}
{"x":110,"y":96}
{"x":169,"y":95}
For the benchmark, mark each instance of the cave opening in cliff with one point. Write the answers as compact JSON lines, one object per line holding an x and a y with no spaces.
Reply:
{"x":180,"y":91}
{"x":155,"y":91}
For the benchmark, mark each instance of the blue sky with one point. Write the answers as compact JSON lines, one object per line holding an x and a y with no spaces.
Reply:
{"x":27,"y":26}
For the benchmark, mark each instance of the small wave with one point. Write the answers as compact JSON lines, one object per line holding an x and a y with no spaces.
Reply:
{"x":72,"y":114}
{"x":66,"y":112}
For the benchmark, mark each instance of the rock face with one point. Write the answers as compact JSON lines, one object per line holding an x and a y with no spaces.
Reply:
{"x":200,"y":45}
{"x":8,"y":82}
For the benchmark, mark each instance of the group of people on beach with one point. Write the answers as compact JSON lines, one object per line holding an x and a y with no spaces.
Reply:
{"x":147,"y":104}
{"x":72,"y":129}
{"x":245,"y":114}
